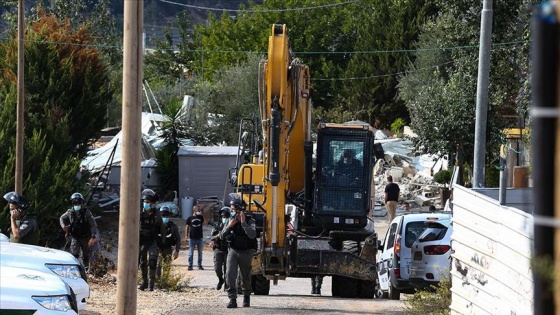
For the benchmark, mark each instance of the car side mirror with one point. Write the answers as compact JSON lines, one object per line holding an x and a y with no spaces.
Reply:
{"x":379,"y":245}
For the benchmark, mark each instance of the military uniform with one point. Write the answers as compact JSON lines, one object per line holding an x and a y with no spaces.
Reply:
{"x":151,"y":225}
{"x":28,"y":230}
{"x":82,"y":228}
{"x":242,"y":246}
{"x":172,"y":241}
{"x":220,"y":255}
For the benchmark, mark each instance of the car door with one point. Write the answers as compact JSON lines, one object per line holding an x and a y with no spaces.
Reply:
{"x":385,"y":262}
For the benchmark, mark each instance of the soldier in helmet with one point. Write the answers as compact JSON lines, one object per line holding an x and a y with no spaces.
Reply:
{"x":169,"y":248}
{"x":80,"y":227}
{"x":220,"y":247}
{"x":240,"y":233}
{"x":23,"y":225}
{"x":151,"y":225}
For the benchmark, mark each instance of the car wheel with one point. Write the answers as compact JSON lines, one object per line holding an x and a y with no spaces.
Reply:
{"x":261,"y":286}
{"x":394,"y":293}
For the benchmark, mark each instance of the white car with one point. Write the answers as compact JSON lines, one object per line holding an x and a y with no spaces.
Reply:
{"x":26,"y":291}
{"x":48,"y":260}
{"x":431,"y":255}
{"x":393,"y":262}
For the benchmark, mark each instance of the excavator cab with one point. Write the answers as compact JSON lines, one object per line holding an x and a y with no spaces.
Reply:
{"x":344,"y":162}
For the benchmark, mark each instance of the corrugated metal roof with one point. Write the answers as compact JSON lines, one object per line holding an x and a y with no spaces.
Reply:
{"x":199,"y":150}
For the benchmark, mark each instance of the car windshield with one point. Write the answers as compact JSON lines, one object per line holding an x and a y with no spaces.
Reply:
{"x":434,"y":232}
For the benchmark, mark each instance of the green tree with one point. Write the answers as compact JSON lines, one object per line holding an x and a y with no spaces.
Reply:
{"x":371,"y":93}
{"x":439,"y":89}
{"x":66,"y":99}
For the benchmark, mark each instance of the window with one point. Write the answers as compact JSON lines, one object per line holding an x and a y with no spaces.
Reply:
{"x":391,"y":239}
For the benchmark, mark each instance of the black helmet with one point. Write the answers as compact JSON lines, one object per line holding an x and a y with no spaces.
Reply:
{"x":77,"y":197}
{"x":225,"y":212}
{"x":150,"y":195}
{"x":238,"y":203}
{"x":164,"y":210}
{"x":18,"y":200}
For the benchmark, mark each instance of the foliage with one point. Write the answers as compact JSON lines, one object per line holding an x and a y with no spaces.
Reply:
{"x":65,"y":105}
{"x":398,"y":125}
{"x":374,"y":86}
{"x":440,"y":88}
{"x":442,"y":177}
{"x":170,"y":279}
{"x":436,"y":300}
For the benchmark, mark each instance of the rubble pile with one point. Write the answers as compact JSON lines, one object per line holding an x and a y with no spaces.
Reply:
{"x":413,"y":174}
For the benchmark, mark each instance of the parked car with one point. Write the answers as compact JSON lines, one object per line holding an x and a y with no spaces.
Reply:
{"x":26,"y":291}
{"x":431,"y":254}
{"x":48,"y":260}
{"x":393,"y":263}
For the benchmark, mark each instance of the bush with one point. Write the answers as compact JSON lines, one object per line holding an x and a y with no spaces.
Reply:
{"x":443,"y":177}
{"x":170,"y":280}
{"x":436,"y":300}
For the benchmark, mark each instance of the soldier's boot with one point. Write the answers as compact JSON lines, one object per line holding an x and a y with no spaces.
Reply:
{"x":220,"y":283}
{"x":246,"y":301}
{"x":144,"y":284}
{"x":232,"y":303}
{"x":152,"y":280}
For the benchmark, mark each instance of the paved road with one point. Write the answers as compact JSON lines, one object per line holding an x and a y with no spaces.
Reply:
{"x":290,"y":296}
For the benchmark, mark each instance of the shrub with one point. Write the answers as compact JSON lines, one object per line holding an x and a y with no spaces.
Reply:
{"x":436,"y":300}
{"x":397,"y":126}
{"x":443,"y":177}
{"x":170,"y":280}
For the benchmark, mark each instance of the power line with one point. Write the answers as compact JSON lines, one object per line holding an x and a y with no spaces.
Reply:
{"x":298,"y":53}
{"x":259,"y":11}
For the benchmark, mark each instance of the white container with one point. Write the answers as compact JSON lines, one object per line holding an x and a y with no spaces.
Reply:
{"x":187,"y":204}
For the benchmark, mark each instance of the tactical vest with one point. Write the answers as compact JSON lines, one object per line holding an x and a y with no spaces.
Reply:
{"x":80,"y":226}
{"x":148,"y":231}
{"x":219,"y":244}
{"x":170,"y":240}
{"x":240,"y":240}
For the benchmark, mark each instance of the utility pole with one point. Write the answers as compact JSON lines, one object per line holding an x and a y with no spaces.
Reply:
{"x":482,"y":93}
{"x":20,"y":99}
{"x":129,"y":217}
{"x":544,"y":85}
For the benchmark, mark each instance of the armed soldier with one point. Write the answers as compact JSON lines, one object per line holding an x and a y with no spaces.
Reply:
{"x":23,"y":225}
{"x":220,"y":247}
{"x":81,"y":230}
{"x":172,"y":240}
{"x":151,"y":225}
{"x":241,"y":234}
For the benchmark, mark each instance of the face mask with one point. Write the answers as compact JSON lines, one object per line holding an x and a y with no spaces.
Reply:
{"x":233,"y":215}
{"x":165,"y":220}
{"x":224,"y":220}
{"x":147,"y":206}
{"x":77,"y":207}
{"x":198,"y":213}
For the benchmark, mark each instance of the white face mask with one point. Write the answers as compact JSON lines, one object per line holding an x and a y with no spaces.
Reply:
{"x":198,"y":213}
{"x":77,"y":207}
{"x":224,"y":220}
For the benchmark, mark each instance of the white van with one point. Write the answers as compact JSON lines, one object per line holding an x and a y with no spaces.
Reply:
{"x":393,"y":261}
{"x":48,"y":260}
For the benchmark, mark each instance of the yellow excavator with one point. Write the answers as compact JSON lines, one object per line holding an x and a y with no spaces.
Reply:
{"x":312,"y":194}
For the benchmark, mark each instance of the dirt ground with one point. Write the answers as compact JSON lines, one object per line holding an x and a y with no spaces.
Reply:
{"x":290,"y":296}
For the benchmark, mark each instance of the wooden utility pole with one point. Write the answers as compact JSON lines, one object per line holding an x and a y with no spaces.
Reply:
{"x":127,"y":268}
{"x":556,"y":145}
{"x":20,"y":99}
